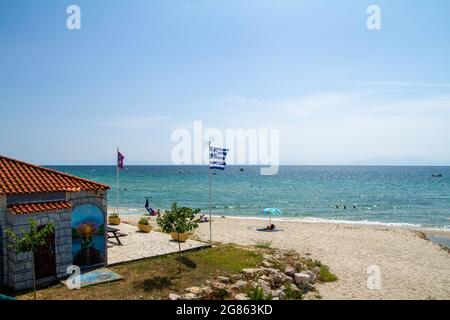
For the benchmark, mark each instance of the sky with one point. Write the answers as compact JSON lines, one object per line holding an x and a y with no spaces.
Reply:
{"x":137,"y":70}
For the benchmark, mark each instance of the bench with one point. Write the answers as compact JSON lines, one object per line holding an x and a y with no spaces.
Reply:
{"x":115,"y":233}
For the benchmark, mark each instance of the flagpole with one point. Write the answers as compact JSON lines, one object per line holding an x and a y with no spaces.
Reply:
{"x":118,"y":181}
{"x":209,"y":176}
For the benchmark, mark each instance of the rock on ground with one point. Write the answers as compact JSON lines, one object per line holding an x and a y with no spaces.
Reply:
{"x":239,"y":285}
{"x":302,"y":279}
{"x":241,"y":296}
{"x":290,"y":271}
{"x":190,"y":296}
{"x":174,"y":296}
{"x":224,"y":279}
{"x":251,"y":271}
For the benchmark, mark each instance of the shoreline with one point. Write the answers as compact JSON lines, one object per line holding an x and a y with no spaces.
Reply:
{"x":438,"y":231}
{"x":435,"y":235}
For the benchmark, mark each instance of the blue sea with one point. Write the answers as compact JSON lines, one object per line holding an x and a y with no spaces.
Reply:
{"x":362,"y":194}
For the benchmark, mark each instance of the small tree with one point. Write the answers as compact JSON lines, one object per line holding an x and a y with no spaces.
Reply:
{"x":30,"y":241}
{"x":179,"y":220}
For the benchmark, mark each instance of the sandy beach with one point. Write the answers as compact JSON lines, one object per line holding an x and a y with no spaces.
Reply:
{"x":411,"y":267}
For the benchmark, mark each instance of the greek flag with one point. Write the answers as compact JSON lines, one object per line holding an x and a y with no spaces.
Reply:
{"x":217,"y":158}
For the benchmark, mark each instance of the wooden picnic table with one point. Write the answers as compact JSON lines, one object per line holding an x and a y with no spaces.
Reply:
{"x":114,"y":233}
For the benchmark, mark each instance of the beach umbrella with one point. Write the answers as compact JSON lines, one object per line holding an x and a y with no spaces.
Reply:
{"x":271,"y":212}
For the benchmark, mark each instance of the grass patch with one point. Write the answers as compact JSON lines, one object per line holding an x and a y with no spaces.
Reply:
{"x":263,"y":244}
{"x":258,"y":294}
{"x":155,"y":278}
{"x":290,"y":294}
{"x":325,"y":275}
{"x":229,"y":259}
{"x":279,"y":265}
{"x":310,"y":264}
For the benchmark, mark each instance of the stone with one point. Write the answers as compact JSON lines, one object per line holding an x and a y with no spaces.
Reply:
{"x":239,"y":285}
{"x":206,"y":291}
{"x":312,"y":276}
{"x":279,"y":293}
{"x":217,"y":285}
{"x":290,"y":271}
{"x":241,"y":296}
{"x":190,"y":296}
{"x":64,"y":225}
{"x":278,"y":256}
{"x":65,"y":240}
{"x":265,"y":278}
{"x":268,"y":270}
{"x":310,"y":287}
{"x":286,"y":279}
{"x":267,"y":257}
{"x":66,"y":233}
{"x":174,"y":296}
{"x":266,"y":264}
{"x":316,"y":270}
{"x":263,"y":285}
{"x":300,"y":266}
{"x":224,"y":279}
{"x":251,"y":271}
{"x":236,"y":277}
{"x":277,"y":278}
{"x":194,"y":290}
{"x":302,"y":279}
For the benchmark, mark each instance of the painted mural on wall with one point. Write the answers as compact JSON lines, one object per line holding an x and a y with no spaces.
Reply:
{"x":88,"y":235}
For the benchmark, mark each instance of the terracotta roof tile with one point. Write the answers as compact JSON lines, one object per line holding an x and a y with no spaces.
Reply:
{"x":27,"y":208}
{"x":17,"y":177}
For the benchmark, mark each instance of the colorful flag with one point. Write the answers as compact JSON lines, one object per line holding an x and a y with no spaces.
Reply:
{"x":217,"y":158}
{"x":120,"y":158}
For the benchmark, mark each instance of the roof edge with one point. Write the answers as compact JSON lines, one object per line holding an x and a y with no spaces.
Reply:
{"x":106,"y":187}
{"x":23,"y":208}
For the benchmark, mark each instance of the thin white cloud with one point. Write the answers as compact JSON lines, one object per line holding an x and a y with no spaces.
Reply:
{"x":344,"y":105}
{"x":343,"y":127}
{"x":133,"y":122}
{"x":406,"y":84}
{"x":315,"y":105}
